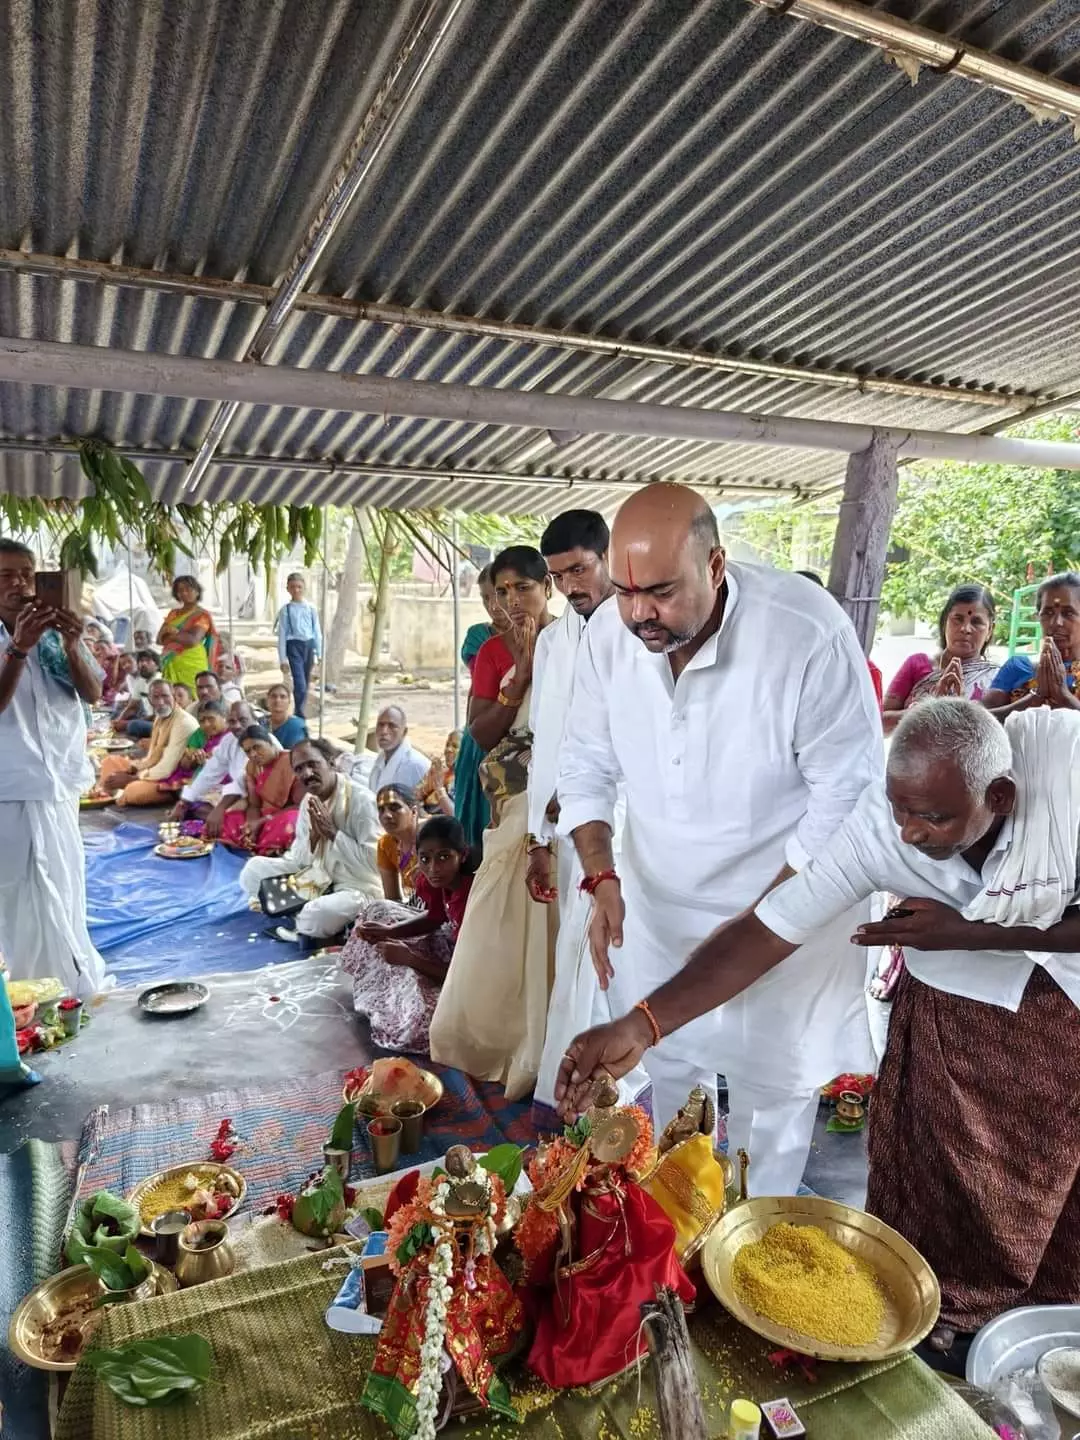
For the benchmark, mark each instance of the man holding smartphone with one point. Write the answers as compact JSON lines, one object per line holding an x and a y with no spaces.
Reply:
{"x":46,"y":677}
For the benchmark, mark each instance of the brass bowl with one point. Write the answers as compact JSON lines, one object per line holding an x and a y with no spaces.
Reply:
{"x":912,"y":1295}
{"x":204,"y":1169}
{"x":50,"y":1299}
{"x":372,"y":1105}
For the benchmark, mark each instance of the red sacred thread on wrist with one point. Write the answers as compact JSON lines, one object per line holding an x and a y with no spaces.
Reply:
{"x":643,"y":1006}
{"x":589,"y":884}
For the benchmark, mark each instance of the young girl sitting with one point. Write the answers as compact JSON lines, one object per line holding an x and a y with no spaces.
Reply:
{"x":398,"y":958}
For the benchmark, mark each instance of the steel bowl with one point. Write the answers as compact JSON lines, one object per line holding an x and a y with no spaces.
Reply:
{"x":1018,"y":1339}
{"x":912,"y":1295}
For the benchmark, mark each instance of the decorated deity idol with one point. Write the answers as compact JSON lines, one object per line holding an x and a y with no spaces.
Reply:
{"x":452,"y":1314}
{"x":596,"y":1246}
{"x":689,"y":1182}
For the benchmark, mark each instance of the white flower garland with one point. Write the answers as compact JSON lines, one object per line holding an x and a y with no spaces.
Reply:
{"x":440,"y":1269}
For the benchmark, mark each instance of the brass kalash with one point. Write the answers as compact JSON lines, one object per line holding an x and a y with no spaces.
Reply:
{"x":691,"y":1182}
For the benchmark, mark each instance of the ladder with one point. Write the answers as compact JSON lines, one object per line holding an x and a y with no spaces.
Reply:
{"x":1025,"y":634}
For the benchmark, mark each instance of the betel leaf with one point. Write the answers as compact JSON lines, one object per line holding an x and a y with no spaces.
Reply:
{"x":418,"y":1238}
{"x":153,"y":1372}
{"x":504,"y":1161}
{"x":342,"y":1133}
{"x":117,"y":1272}
{"x":580,"y":1131}
{"x":373,"y":1217}
{"x":320,"y":1209}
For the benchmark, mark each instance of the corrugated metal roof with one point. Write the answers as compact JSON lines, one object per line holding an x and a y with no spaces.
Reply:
{"x":692,"y":172}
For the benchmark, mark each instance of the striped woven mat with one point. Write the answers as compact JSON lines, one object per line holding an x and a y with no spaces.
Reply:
{"x":281,"y":1130}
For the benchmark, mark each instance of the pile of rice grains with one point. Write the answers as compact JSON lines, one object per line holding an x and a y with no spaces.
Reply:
{"x":797,"y":1276}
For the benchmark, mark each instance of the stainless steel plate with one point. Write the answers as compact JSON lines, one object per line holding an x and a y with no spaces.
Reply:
{"x":1018,"y":1340}
{"x":179,"y":997}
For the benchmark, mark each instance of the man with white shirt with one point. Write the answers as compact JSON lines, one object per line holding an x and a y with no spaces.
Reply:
{"x":575,"y":547}
{"x":973,"y":1142}
{"x":220,"y":782}
{"x":734,"y":704}
{"x":397,"y":762}
{"x":332,"y":857}
{"x":46,"y":677}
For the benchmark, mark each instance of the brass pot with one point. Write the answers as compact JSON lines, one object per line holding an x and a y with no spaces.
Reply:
{"x":143,"y":1291}
{"x":206,"y":1253}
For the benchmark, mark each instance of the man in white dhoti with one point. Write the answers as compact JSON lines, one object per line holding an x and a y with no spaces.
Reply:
{"x":332,"y":856}
{"x":575,"y":546}
{"x":735,"y":705}
{"x":397,"y":762}
{"x":46,"y":674}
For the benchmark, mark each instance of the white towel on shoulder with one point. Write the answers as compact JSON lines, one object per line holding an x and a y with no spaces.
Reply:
{"x":1036,"y":880}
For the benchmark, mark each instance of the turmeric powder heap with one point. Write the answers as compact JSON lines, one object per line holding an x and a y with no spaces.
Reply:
{"x":797,"y":1276}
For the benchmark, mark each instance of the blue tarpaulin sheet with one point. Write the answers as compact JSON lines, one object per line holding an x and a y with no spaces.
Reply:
{"x":155,"y":919}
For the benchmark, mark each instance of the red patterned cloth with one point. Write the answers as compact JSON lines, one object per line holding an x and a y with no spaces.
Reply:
{"x":588,"y":1328}
{"x":974,"y":1141}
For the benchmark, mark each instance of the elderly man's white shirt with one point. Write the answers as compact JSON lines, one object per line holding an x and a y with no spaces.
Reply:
{"x":405,"y":766}
{"x":866,"y":854}
{"x":751,"y":759}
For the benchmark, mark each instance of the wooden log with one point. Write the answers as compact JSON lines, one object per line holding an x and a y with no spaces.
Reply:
{"x":862,"y":533}
{"x":678,"y":1399}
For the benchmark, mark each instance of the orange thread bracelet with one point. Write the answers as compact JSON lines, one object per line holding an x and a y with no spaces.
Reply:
{"x":657,"y":1034}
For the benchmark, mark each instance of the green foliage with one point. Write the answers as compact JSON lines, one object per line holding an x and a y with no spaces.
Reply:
{"x":579,"y":1131}
{"x":504,"y":1161}
{"x":117,"y":1272}
{"x":105,"y":1221}
{"x":342,"y":1133}
{"x":120,"y":505}
{"x":419,"y":1238}
{"x":154,"y":1372}
{"x":320,"y":1209}
{"x":373,"y":1217}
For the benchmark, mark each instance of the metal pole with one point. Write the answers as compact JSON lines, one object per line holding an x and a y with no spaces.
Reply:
{"x":942,"y":53}
{"x":88,"y":367}
{"x":455,"y":587}
{"x":131,"y":595}
{"x":322,"y":620}
{"x":373,"y":312}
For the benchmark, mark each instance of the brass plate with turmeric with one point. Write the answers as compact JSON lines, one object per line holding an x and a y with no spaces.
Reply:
{"x":148,"y":1204}
{"x":912,"y":1295}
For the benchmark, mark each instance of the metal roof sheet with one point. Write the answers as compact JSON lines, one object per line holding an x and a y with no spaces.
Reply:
{"x":691,"y":172}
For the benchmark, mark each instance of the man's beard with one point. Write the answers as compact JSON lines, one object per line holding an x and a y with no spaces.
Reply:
{"x":676,"y":638}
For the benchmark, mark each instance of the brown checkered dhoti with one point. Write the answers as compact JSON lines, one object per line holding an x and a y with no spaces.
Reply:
{"x":974,"y":1139}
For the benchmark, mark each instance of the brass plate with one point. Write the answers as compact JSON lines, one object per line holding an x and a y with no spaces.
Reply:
{"x":185,"y":852}
{"x":912,"y":1295}
{"x":205,"y":1169}
{"x":47,"y":1301}
{"x":433,"y":1094}
{"x":95,"y":802}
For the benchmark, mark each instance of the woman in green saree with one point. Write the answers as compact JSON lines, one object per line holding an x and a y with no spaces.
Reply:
{"x":188,"y":637}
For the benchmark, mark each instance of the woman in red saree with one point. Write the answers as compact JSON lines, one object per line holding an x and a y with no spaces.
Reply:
{"x":265,"y":823}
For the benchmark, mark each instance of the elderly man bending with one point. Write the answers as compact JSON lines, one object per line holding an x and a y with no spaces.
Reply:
{"x":974,"y":1145}
{"x":332,"y":858}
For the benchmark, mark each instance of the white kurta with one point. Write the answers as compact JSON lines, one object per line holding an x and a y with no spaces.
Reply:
{"x":577,"y":1002}
{"x":43,"y":770}
{"x":345,"y":871}
{"x":222,"y":774}
{"x":405,"y":766}
{"x":749,"y":761}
